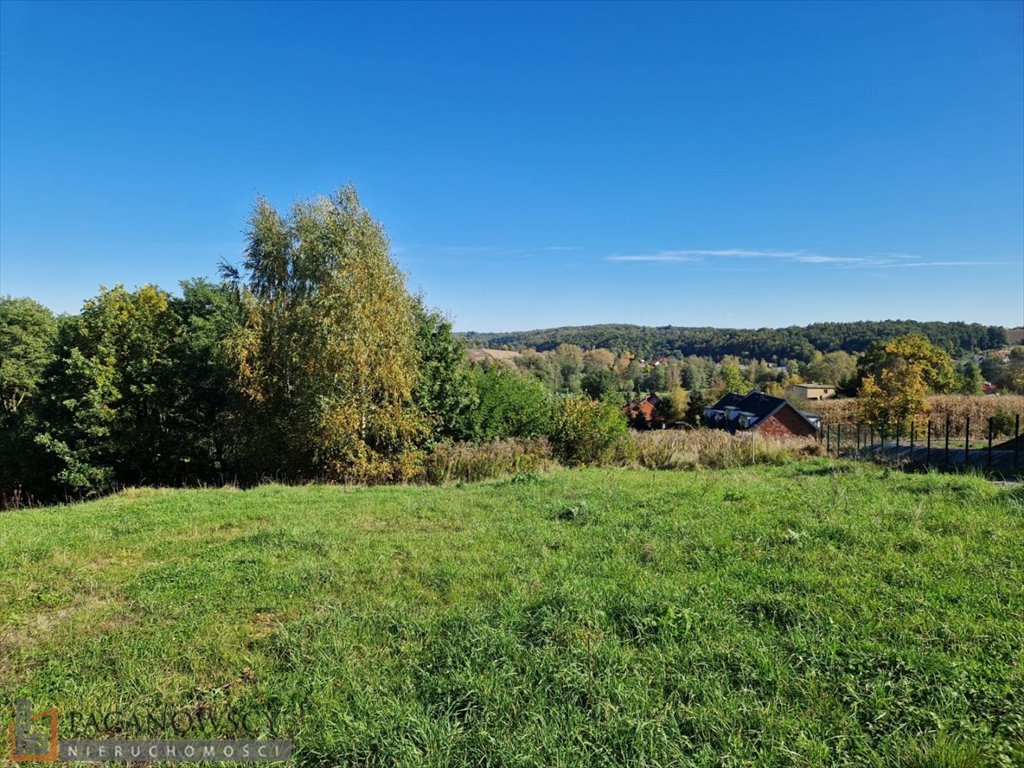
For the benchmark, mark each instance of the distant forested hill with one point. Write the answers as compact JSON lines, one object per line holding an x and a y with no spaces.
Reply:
{"x":792,"y":343}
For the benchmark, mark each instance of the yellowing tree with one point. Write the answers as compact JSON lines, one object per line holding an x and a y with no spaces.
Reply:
{"x":327,"y":354}
{"x":896,"y":378}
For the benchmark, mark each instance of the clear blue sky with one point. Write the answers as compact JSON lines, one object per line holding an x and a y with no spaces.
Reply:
{"x":535,"y":164}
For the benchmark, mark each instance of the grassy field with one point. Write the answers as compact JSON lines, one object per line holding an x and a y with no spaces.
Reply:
{"x":801,"y":615}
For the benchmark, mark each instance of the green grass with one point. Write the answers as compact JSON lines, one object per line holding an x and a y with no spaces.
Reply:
{"x":815,"y":613}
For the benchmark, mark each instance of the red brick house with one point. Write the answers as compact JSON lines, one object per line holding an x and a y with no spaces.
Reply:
{"x":646,"y":414}
{"x":758,"y":412}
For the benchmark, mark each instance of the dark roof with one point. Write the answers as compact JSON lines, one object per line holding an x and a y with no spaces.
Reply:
{"x":760,"y":404}
{"x":757,"y":404}
{"x":730,"y":399}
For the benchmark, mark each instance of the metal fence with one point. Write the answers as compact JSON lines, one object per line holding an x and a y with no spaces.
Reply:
{"x":940,"y":444}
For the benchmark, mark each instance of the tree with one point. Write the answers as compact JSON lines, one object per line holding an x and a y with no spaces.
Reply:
{"x":110,"y":412}
{"x":327,"y":353}
{"x":598,"y":359}
{"x":445,"y":392}
{"x":1013,"y":377}
{"x":510,"y":405}
{"x":569,"y":360}
{"x":598,"y":383}
{"x":543,"y":367}
{"x":896,"y":377}
{"x":693,"y":377}
{"x":910,"y":354}
{"x":730,"y":379}
{"x":27,"y":334}
{"x":676,"y":404}
{"x":969,"y":380}
{"x":830,"y":368}
{"x":210,"y":408}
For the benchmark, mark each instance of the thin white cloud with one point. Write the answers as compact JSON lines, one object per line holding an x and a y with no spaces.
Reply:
{"x":946,"y":264}
{"x":887,"y":260}
{"x":664,"y":256}
{"x":897,"y":255}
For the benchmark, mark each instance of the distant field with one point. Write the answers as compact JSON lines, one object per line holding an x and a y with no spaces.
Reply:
{"x":479,"y":354}
{"x":801,"y":615}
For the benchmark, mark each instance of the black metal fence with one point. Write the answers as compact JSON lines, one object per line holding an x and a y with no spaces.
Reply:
{"x":942,"y":444}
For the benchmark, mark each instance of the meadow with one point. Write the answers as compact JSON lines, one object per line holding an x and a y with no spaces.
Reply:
{"x":809,"y":613}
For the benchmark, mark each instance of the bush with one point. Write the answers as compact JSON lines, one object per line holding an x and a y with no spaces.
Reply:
{"x":585,"y":431}
{"x":510,"y":405}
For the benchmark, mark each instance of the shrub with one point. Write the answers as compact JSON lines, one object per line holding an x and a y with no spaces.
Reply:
{"x":585,"y":431}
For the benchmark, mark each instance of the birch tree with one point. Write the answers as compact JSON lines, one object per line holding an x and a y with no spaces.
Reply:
{"x":327,"y":353}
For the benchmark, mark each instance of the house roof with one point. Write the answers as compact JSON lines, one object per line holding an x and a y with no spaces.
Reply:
{"x":729,"y":400}
{"x":757,"y":404}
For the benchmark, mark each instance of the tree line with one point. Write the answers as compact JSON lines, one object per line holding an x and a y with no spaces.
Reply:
{"x":309,"y":360}
{"x":798,"y":343}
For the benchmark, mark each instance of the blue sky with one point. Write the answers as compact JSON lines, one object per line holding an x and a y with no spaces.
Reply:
{"x":534,"y":164}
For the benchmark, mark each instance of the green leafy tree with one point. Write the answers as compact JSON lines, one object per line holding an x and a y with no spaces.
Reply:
{"x":969,"y":380}
{"x":830,"y":368}
{"x":445,"y":393}
{"x":599,"y":383}
{"x":569,"y":360}
{"x":210,"y":407}
{"x":327,"y":354}
{"x":1013,"y":375}
{"x":730,"y":379}
{"x":511,"y":404}
{"x":28,"y":331}
{"x":676,"y":405}
{"x":111,"y":413}
{"x":28,"y":334}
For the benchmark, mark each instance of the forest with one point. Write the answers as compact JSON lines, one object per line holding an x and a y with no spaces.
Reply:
{"x":774,"y":344}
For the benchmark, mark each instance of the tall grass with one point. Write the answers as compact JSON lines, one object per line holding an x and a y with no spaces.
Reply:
{"x":714,"y":449}
{"x":467,"y":462}
{"x":659,"y":449}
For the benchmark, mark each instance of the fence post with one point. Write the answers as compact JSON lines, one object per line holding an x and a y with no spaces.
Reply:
{"x":928,"y":452}
{"x":1016,"y":441}
{"x":882,"y":437}
{"x":945,"y":461}
{"x":913,"y":434}
{"x":839,"y":439}
{"x":899,"y":429}
{"x":967,"y":440}
{"x":990,"y":442}
{"x":828,"y":440}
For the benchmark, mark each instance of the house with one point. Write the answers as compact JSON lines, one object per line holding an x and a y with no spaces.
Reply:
{"x":762,"y":413}
{"x":813,"y":391}
{"x":646,"y":413}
